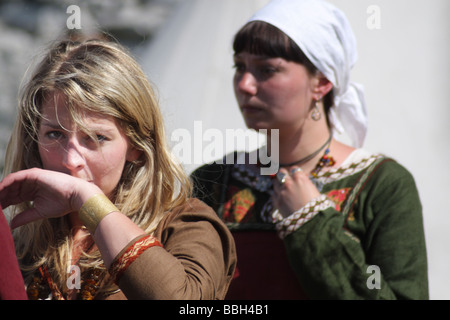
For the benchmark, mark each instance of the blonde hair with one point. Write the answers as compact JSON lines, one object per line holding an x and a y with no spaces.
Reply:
{"x":95,"y":76}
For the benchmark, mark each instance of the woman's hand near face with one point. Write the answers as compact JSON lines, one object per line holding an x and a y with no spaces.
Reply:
{"x":294,"y":193}
{"x":54,"y":194}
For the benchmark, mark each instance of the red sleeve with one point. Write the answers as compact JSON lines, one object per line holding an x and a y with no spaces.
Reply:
{"x":11,"y":282}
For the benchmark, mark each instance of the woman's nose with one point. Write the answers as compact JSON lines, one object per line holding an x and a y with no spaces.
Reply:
{"x":246,"y":83}
{"x":73,"y":158}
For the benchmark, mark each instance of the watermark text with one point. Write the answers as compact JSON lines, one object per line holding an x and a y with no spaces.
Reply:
{"x":74,"y":280}
{"x":201,"y":146}
{"x":374,"y":281}
{"x":74,"y":20}
{"x":373,"y":21}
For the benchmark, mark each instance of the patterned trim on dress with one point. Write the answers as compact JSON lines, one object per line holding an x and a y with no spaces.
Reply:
{"x":250,"y":175}
{"x":120,"y":265}
{"x":303,"y":215}
{"x":356,"y":162}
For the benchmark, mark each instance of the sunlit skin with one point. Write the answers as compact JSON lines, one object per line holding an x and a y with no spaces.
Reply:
{"x":65,"y":148}
{"x":75,"y":168}
{"x":274,"y":93}
{"x":97,"y":159}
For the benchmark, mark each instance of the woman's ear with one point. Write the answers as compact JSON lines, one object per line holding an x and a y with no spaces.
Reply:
{"x":322,"y":86}
{"x":133,"y":154}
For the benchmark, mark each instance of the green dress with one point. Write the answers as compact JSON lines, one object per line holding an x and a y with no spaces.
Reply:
{"x":363,"y":238}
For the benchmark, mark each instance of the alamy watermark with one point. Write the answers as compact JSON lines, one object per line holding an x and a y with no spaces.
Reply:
{"x":374,"y":281}
{"x":74,"y":280}
{"x":74,"y":20}
{"x":373,"y":21}
{"x":199,"y":146}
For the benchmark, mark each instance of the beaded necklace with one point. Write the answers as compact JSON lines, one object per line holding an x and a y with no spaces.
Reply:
{"x":324,"y":161}
{"x":42,"y":284}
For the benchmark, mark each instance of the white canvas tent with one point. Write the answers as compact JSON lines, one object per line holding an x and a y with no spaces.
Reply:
{"x":190,"y":62}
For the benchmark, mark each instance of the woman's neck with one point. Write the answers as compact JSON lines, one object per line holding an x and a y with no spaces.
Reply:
{"x":307,"y":142}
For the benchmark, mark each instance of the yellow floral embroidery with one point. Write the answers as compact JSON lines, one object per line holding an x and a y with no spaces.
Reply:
{"x":239,"y":206}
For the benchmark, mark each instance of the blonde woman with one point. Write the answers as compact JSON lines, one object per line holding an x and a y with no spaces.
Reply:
{"x":100,"y":208}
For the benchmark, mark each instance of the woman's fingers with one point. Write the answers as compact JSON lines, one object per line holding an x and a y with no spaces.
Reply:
{"x":292,"y":190}
{"x":25,"y":217}
{"x":53,"y":194}
{"x":280,"y":180}
{"x":16,"y":188}
{"x":294,"y":171}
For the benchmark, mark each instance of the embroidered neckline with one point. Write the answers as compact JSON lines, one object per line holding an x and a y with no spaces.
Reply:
{"x":359,"y":159}
{"x":249,"y":174}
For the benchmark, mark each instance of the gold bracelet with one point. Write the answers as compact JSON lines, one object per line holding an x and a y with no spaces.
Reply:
{"x":94,"y":210}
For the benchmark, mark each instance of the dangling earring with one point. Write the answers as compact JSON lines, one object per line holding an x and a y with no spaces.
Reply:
{"x":316,"y":114}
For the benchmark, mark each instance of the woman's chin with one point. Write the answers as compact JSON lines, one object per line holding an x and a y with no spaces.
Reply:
{"x":258,"y":125}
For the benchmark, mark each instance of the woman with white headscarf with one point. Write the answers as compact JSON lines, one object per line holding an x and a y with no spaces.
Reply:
{"x":336,"y":221}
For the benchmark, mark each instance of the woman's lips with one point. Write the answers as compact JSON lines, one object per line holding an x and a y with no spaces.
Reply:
{"x":251,"y":109}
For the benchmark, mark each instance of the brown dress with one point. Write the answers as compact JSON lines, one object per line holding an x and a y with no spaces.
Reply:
{"x":197,"y":260}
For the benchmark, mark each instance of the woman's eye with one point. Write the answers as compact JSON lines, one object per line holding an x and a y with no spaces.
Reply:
{"x":267,"y":70}
{"x":98,"y":138}
{"x":54,"y":135}
{"x":101,"y":138}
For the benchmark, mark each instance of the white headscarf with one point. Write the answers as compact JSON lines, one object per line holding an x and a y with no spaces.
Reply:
{"x":323,"y":33}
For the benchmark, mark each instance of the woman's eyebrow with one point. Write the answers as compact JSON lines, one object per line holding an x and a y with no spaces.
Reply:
{"x":95,"y":127}
{"x":51,"y":125}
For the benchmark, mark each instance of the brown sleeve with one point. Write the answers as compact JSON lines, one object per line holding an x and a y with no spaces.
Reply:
{"x":197,"y":260}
